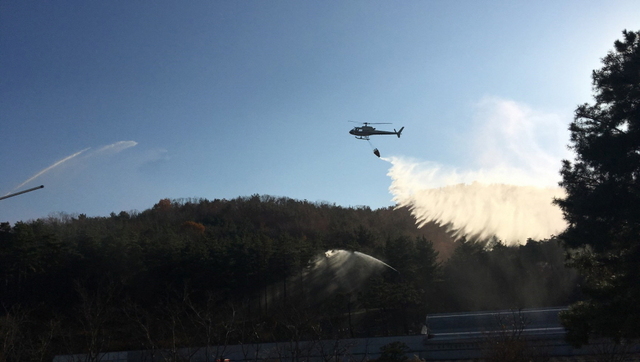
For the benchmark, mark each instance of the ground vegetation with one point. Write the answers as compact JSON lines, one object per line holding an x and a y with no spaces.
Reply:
{"x":222,"y":272}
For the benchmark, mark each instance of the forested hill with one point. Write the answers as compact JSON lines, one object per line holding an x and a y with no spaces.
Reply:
{"x":219,"y":245}
{"x":128,"y":281}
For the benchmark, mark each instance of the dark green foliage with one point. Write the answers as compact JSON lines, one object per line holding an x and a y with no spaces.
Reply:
{"x":602,"y":205}
{"x":485,"y":277}
{"x":197,"y":272}
{"x":393,"y":352}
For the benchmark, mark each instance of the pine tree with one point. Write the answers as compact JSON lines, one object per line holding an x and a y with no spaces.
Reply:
{"x":602,"y":202}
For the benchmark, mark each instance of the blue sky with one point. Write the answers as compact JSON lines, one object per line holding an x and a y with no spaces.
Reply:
{"x":220,"y":99}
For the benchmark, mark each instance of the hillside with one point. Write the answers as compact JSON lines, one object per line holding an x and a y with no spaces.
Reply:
{"x":195,"y":272}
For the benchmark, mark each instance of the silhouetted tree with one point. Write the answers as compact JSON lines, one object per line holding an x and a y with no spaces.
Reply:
{"x":428,"y":273}
{"x":602,"y":203}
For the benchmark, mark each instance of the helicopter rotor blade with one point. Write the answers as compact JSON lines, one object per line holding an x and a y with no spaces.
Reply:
{"x":370,"y":122}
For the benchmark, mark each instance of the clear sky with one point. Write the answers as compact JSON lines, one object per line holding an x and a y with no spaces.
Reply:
{"x":114,"y":105}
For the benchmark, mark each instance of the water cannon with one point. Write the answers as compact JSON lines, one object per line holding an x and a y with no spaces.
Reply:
{"x":21,"y":192}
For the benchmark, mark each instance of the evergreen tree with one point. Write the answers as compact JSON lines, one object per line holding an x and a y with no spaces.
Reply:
{"x":602,"y":202}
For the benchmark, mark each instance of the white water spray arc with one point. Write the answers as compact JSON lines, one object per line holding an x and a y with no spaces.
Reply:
{"x":517,"y":153}
{"x":45,"y":170}
{"x":373,"y":260}
{"x":329,"y":273}
{"x":341,"y":270}
{"x":509,"y":212}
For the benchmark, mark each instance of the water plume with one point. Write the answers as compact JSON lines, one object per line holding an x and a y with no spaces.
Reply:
{"x":330,"y":273}
{"x":374,"y":260}
{"x":116,"y":147}
{"x":512,"y":213}
{"x":339,"y":271}
{"x":507,"y":190}
{"x":105,"y":150}
{"x":49,"y":168}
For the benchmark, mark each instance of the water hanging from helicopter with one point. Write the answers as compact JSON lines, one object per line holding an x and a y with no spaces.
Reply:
{"x":375,"y":150}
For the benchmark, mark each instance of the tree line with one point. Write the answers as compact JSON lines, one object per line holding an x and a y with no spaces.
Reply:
{"x":602,"y":203}
{"x":200,"y":272}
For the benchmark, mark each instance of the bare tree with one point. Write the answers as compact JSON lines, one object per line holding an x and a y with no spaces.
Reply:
{"x":215,"y":321}
{"x":146,"y":325}
{"x":95,"y":312}
{"x":507,"y":342}
{"x":180,"y":336}
{"x":250,"y":336}
{"x":335,"y":350}
{"x":12,"y":326}
{"x":607,"y":350}
{"x":41,"y":348}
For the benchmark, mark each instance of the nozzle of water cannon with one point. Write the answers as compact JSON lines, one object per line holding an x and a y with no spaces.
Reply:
{"x":21,"y":192}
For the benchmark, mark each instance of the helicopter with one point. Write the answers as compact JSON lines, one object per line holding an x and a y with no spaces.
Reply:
{"x":363,"y":133}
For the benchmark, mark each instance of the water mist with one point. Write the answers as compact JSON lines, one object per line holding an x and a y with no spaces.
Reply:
{"x":508,"y":187}
{"x":512,"y":213}
{"x":329,"y":273}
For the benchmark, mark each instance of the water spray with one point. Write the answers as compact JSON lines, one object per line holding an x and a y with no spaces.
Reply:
{"x":343,"y":255}
{"x":369,"y":257}
{"x":473,"y":204}
{"x":334,"y":271}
